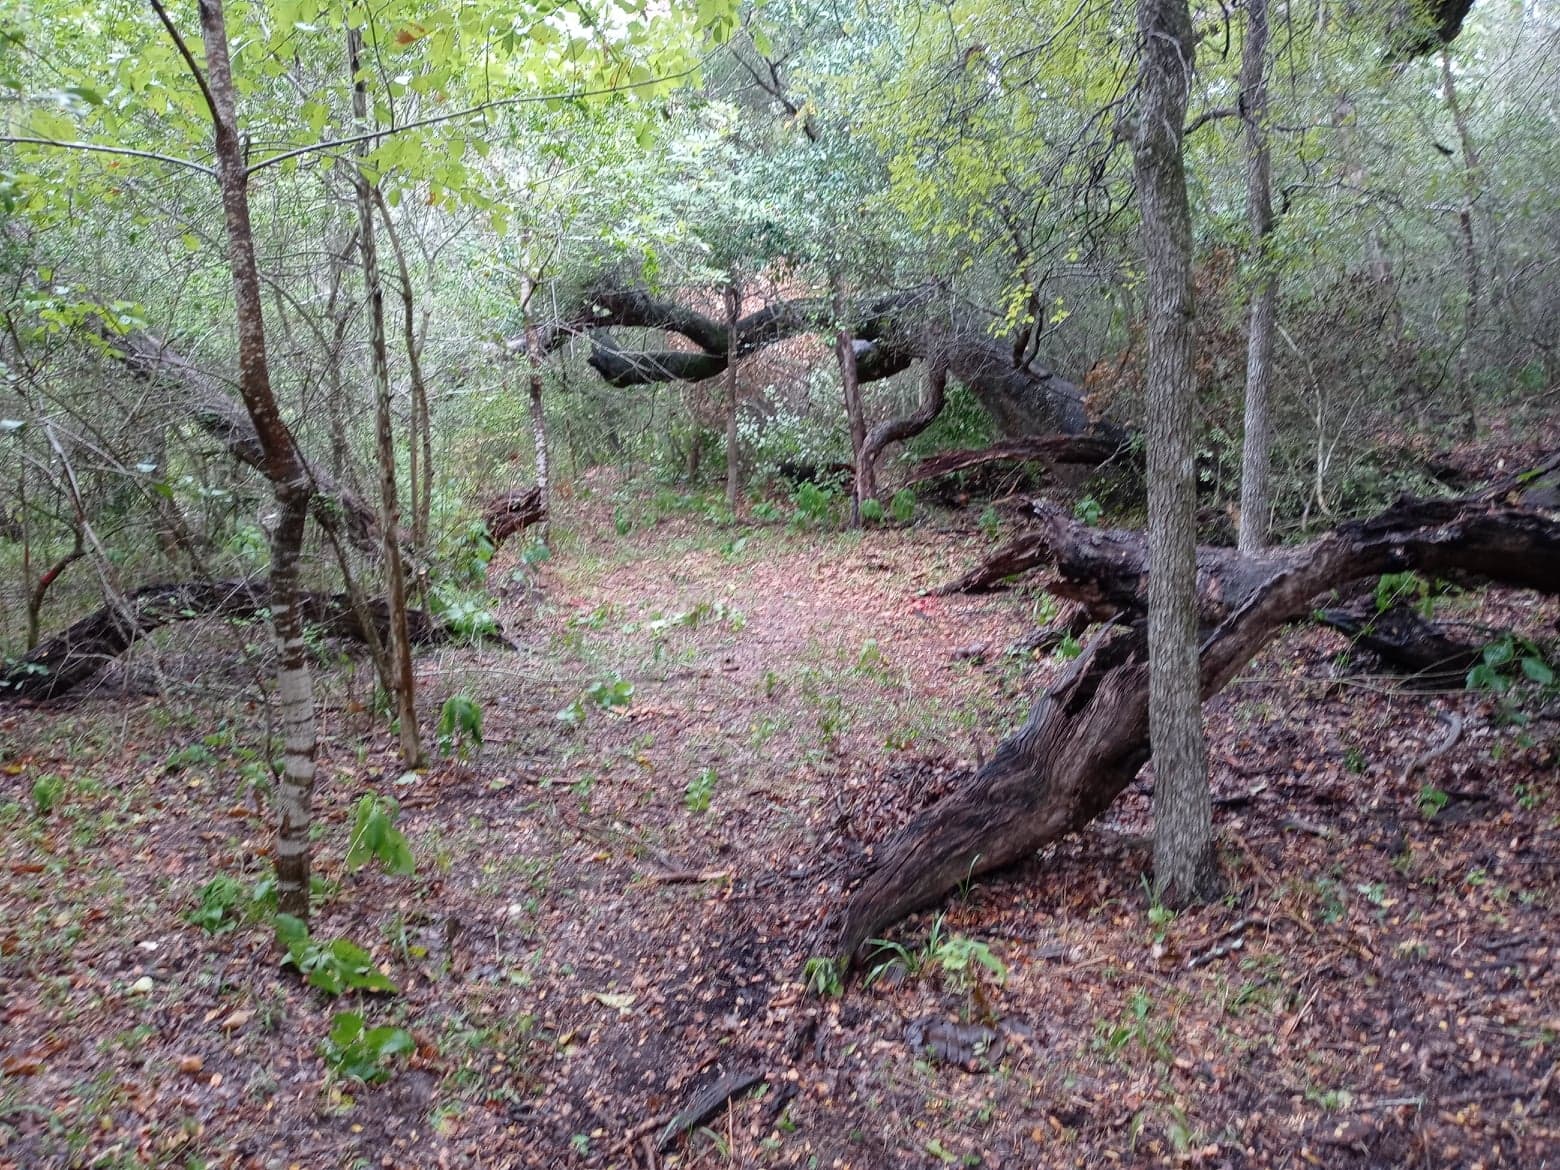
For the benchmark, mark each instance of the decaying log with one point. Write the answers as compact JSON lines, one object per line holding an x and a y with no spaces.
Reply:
{"x":1082,"y":450}
{"x":1404,"y":640}
{"x":71,"y":657}
{"x":513,"y":512}
{"x":1087,"y":736}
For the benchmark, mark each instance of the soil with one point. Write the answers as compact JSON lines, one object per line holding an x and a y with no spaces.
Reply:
{"x":613,"y":911}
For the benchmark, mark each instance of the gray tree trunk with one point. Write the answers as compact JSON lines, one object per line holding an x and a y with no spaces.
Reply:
{"x":733,"y":453}
{"x":1184,"y":865}
{"x":863,"y":485}
{"x":284,"y":468}
{"x":1256,"y":457}
{"x":384,"y":437}
{"x":1467,"y":420}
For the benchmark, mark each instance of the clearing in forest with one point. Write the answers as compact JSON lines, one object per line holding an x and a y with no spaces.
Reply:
{"x":601,"y":957}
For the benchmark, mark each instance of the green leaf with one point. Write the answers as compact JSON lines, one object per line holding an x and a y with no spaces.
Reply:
{"x":1538,"y":671}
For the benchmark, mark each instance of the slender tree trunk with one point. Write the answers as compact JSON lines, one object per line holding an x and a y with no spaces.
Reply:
{"x":733,"y":455}
{"x":533,"y":358}
{"x":1184,"y":864}
{"x":420,"y":447}
{"x":1256,"y":456}
{"x":862,"y":481}
{"x":289,"y":477}
{"x":389,"y":501}
{"x":1468,"y":421}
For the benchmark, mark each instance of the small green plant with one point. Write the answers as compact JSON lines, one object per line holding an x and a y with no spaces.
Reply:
{"x":467,"y":615}
{"x":814,"y":505}
{"x":195,"y":755}
{"x":1431,"y":801}
{"x":47,"y":791}
{"x":460,"y":726}
{"x":1068,"y":648}
{"x":765,"y":511}
{"x":1408,"y":589}
{"x":361,"y":1053}
{"x":611,"y":694}
{"x":1354,"y":760}
{"x":334,"y":967}
{"x":821,"y":976}
{"x":580,"y":1144}
{"x":871,"y":511}
{"x":1160,"y":916}
{"x":696,"y":797}
{"x":958,"y":959}
{"x":1140,"y":1025}
{"x":1513,"y":669}
{"x":1087,"y":511}
{"x":902,"y":506}
{"x":219,"y":898}
{"x":990,"y":521}
{"x":375,"y":837}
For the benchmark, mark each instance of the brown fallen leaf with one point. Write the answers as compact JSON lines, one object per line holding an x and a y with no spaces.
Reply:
{"x":22,"y":1066}
{"x":190,"y":1064}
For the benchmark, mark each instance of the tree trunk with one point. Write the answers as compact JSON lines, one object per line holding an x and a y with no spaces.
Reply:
{"x":733,"y":454}
{"x":863,"y":485}
{"x":1467,"y":419}
{"x":1256,"y":456}
{"x":288,"y":474}
{"x":902,"y":430}
{"x":420,"y":446}
{"x":1184,"y":865}
{"x":1088,"y":734}
{"x":538,"y":413}
{"x":404,"y":677}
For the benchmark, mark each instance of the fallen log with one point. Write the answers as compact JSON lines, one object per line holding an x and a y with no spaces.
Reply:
{"x":1404,"y":641}
{"x":514,"y":511}
{"x":75,"y":654}
{"x":1082,"y":450}
{"x":1087,"y":735}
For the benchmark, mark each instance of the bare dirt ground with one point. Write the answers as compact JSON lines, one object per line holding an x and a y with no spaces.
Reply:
{"x":608,"y":918}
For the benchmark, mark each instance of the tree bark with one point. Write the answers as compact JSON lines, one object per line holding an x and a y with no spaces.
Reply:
{"x":902,"y":430}
{"x":420,"y":433}
{"x":733,"y":453}
{"x":889,"y":336}
{"x":538,"y":413}
{"x":1088,"y":734}
{"x":289,"y":475}
{"x":1185,"y":869}
{"x":862,"y":486}
{"x":1468,"y":423}
{"x":1257,"y":438}
{"x":402,"y":674}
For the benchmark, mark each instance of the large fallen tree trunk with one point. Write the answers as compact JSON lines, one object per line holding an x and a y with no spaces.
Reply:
{"x":1087,"y":736}
{"x":74,"y":655}
{"x":890,"y":331}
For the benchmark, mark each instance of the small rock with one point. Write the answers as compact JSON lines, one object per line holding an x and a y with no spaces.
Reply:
{"x":142,"y":986}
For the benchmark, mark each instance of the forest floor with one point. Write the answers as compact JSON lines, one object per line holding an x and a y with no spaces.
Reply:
{"x":613,"y":911}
